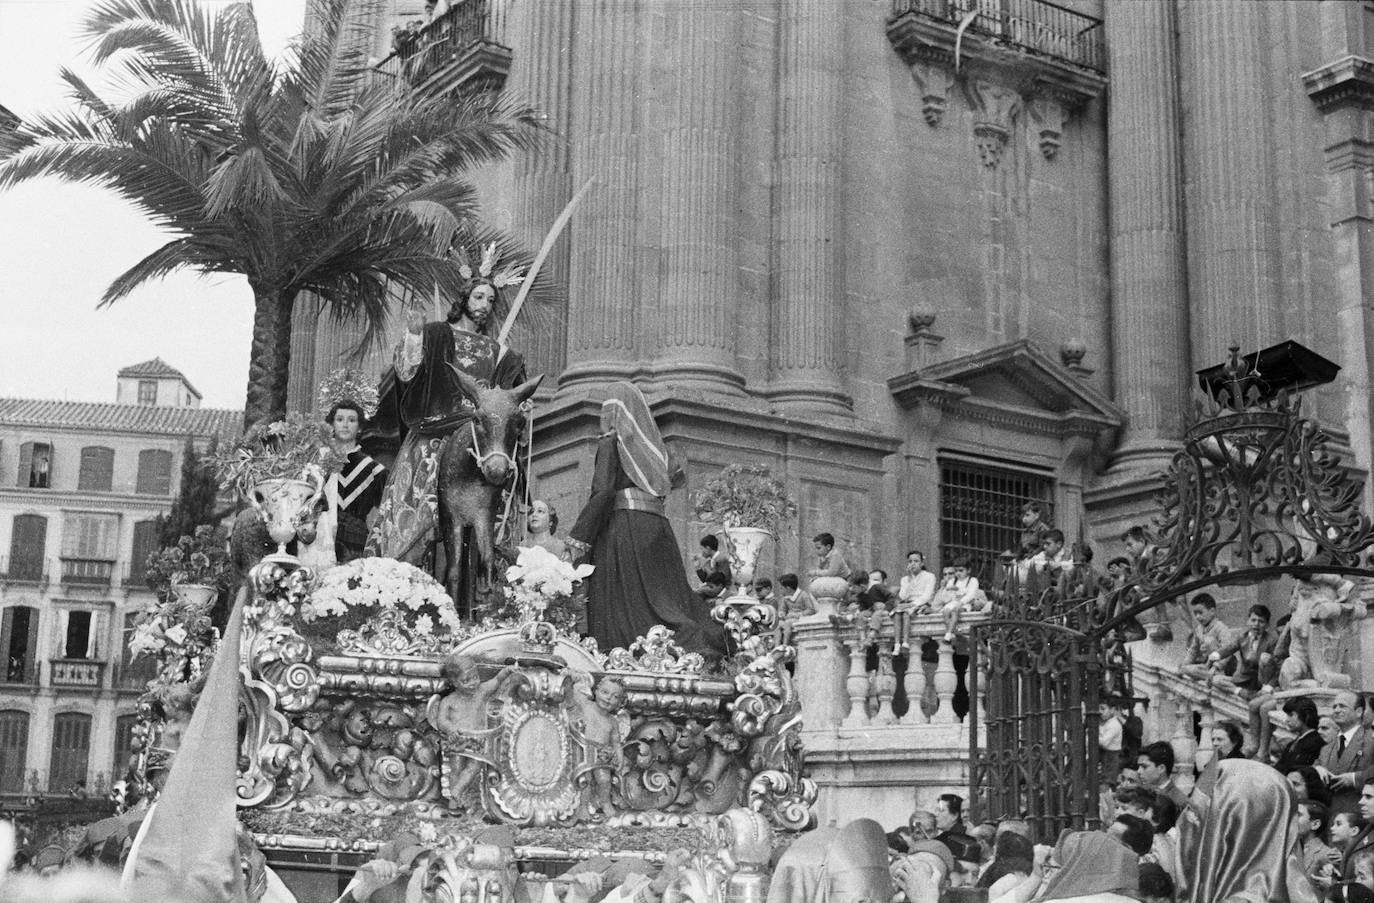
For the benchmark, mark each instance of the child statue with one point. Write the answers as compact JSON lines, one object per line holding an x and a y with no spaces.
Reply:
{"x":600,"y":708}
{"x":463,"y":717}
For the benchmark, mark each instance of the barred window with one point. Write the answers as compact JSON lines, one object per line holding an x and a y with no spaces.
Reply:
{"x":980,"y":511}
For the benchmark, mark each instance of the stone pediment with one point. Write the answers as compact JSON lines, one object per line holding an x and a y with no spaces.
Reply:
{"x":1013,"y":381}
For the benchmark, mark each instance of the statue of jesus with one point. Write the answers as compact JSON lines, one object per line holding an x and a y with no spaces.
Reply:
{"x":422,"y":404}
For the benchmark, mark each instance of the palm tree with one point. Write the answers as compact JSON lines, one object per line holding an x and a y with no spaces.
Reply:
{"x":313,"y":173}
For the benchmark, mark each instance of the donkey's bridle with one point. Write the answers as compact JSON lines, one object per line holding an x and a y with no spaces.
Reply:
{"x":483,"y":457}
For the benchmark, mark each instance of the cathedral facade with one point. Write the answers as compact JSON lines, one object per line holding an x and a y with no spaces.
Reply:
{"x":926,"y":259}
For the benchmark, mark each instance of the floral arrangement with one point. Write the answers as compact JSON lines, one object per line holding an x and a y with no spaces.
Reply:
{"x":540,"y":585}
{"x":283,"y":449}
{"x":745,"y":495}
{"x":177,"y":631}
{"x":201,"y":558}
{"x":350,"y":594}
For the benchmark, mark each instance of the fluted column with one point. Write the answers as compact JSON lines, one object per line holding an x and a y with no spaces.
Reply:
{"x":808,"y":316}
{"x":697,"y":185}
{"x":603,"y":294}
{"x":1148,"y":250}
{"x":1232,"y":248}
{"x":541,"y":75}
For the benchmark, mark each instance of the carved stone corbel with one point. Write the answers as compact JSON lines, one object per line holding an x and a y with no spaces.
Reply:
{"x":995,"y":108}
{"x":1049,"y":116}
{"x":934,"y":83}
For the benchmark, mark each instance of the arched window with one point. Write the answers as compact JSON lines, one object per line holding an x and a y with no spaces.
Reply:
{"x":154,"y":472}
{"x":28,"y":545}
{"x":14,"y":749}
{"x":71,"y":751}
{"x":97,"y":469}
{"x":124,"y":744}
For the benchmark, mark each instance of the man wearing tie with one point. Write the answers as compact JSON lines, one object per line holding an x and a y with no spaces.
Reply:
{"x":1347,"y":762}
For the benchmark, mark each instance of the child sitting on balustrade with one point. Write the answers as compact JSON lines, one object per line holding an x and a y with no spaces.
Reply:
{"x":960,"y":591}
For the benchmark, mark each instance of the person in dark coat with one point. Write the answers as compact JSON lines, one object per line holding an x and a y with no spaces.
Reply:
{"x":1307,"y":743}
{"x":639,"y":579}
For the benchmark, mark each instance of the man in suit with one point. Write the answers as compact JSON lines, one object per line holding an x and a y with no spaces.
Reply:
{"x":1347,"y":762}
{"x":1307,"y":743}
{"x":1155,"y":765}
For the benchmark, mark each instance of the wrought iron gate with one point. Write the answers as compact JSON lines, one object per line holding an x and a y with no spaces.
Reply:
{"x":1039,"y":760}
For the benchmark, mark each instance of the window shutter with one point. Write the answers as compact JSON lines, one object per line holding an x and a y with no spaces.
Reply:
{"x":31,"y":649}
{"x":145,"y":544}
{"x":97,"y":469}
{"x":154,"y":472}
{"x":70,"y":751}
{"x":6,"y":637}
{"x":14,"y":748}
{"x":60,"y":634}
{"x":28,"y":545}
{"x":25,"y":465}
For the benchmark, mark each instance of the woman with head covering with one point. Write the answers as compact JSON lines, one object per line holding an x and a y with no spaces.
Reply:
{"x":1094,"y":868}
{"x":829,"y":866}
{"x":639,"y":579}
{"x":1238,"y":838}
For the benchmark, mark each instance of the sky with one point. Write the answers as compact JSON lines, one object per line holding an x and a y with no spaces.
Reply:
{"x":61,"y":245}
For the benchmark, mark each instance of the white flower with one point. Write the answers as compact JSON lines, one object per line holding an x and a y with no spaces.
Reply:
{"x":424,"y":625}
{"x":176,"y":634}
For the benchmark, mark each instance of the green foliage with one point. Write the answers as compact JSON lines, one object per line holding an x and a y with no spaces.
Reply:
{"x":197,"y":501}
{"x":745,"y":495}
{"x":313,"y":173}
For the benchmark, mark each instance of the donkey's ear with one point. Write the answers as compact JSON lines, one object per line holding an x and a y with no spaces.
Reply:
{"x":523,"y":391}
{"x":465,"y":382}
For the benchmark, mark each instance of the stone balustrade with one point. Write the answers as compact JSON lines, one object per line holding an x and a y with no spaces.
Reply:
{"x":887,"y":741}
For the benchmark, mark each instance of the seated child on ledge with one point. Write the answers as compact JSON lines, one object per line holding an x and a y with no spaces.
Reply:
{"x":960,"y":591}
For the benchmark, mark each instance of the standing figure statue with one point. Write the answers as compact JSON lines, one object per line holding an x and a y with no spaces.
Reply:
{"x":350,"y":496}
{"x":639,"y":579}
{"x":424,"y":404}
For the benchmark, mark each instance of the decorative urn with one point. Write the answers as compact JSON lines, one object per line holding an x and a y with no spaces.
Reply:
{"x":286,"y":504}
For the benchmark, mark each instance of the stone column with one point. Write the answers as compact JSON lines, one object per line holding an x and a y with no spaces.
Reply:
{"x":541,"y":75}
{"x":808,"y":317}
{"x":1148,"y":253}
{"x":1232,"y":248}
{"x":604,"y":291}
{"x":697,"y":187}
{"x":1343,"y":90}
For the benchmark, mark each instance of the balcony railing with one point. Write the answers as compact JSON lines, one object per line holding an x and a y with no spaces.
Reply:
{"x":87,"y":572}
{"x":466,"y":43}
{"x":75,"y":672}
{"x":1035,"y":26}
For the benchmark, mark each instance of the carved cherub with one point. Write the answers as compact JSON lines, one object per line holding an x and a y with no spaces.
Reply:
{"x":463,"y":717}
{"x":600,"y":709}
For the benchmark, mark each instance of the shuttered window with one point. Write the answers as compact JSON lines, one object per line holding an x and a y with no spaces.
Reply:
{"x":90,"y":536}
{"x":28,"y":545}
{"x":71,"y":751}
{"x":124,"y":745}
{"x":154,"y":472}
{"x":35,"y":466}
{"x":19,"y":645}
{"x":97,"y":469}
{"x":145,"y":543}
{"x":14,"y":749}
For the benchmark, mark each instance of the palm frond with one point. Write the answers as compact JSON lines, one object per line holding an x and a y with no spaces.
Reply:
{"x":167,"y":259}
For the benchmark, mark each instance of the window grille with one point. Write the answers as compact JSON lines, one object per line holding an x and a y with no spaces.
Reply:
{"x":980,"y":511}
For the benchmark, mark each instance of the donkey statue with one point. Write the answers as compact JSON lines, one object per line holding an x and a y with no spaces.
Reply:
{"x":475,"y":465}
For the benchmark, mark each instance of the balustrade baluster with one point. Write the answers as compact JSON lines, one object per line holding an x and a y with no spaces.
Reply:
{"x":946,"y":682}
{"x":857,"y":683}
{"x":914,"y":682}
{"x":885,"y":683}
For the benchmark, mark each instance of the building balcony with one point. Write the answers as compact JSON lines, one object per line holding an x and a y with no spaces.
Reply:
{"x":75,"y":672}
{"x":1038,"y":42}
{"x":92,"y":572}
{"x":466,"y":46}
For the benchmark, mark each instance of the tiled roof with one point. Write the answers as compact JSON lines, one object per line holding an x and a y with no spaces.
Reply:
{"x":157,"y":368}
{"x":119,"y":418}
